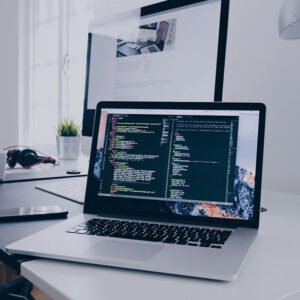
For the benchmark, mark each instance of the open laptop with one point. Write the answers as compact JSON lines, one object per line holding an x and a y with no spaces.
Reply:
{"x":172,"y":188}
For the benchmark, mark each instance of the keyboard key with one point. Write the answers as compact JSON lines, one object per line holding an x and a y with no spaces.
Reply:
{"x":192,"y":244}
{"x":81,"y":231}
{"x":169,"y":234}
{"x":72,"y":230}
{"x":206,"y":245}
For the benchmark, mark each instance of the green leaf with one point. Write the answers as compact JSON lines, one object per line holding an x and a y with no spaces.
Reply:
{"x":68,"y":127}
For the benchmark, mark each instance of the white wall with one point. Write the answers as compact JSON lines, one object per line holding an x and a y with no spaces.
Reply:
{"x":9,"y":72}
{"x":259,"y":67}
{"x":262,"y":67}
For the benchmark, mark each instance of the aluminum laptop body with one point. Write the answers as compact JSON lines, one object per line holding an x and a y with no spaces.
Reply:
{"x":192,"y":166}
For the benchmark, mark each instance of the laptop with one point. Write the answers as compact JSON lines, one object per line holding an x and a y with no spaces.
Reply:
{"x":161,"y":37}
{"x":172,"y":188}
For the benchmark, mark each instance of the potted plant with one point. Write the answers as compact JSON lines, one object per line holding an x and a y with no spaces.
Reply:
{"x":68,"y":140}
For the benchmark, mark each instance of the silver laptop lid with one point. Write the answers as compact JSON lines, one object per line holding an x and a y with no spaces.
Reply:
{"x":180,"y":162}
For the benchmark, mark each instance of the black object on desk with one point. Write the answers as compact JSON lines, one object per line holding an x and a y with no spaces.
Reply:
{"x":32,"y":213}
{"x":263,"y":209}
{"x":73,"y":172}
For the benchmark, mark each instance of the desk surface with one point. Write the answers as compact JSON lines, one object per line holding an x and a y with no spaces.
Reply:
{"x":23,"y":194}
{"x":272,"y":269}
{"x":48,"y":171}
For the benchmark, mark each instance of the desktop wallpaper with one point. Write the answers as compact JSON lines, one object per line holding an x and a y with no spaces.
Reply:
{"x":242,"y":207}
{"x":244,"y":183}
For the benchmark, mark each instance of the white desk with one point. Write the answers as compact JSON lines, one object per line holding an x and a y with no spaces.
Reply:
{"x":48,"y":171}
{"x":272,"y":269}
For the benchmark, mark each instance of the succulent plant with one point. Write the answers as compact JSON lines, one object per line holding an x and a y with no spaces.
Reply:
{"x":67,"y":127}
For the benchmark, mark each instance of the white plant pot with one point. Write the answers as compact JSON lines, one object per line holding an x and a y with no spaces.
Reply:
{"x":68,"y":147}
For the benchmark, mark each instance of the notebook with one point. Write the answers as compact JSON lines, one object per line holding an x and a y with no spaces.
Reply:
{"x":172,"y":188}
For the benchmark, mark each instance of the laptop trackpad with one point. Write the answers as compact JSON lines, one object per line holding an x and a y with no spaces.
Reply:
{"x":123,"y":250}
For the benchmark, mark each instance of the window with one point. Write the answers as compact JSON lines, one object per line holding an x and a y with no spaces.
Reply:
{"x":57,"y":48}
{"x":57,"y":61}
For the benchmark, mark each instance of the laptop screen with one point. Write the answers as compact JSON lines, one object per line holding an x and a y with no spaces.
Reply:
{"x":194,"y":163}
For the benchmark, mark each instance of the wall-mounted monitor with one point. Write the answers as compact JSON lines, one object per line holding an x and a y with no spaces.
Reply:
{"x":175,"y":52}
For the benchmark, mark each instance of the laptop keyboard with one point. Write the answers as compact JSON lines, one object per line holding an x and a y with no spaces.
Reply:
{"x":171,"y":234}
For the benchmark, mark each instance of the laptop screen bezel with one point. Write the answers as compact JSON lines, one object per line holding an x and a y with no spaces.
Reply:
{"x":92,"y":200}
